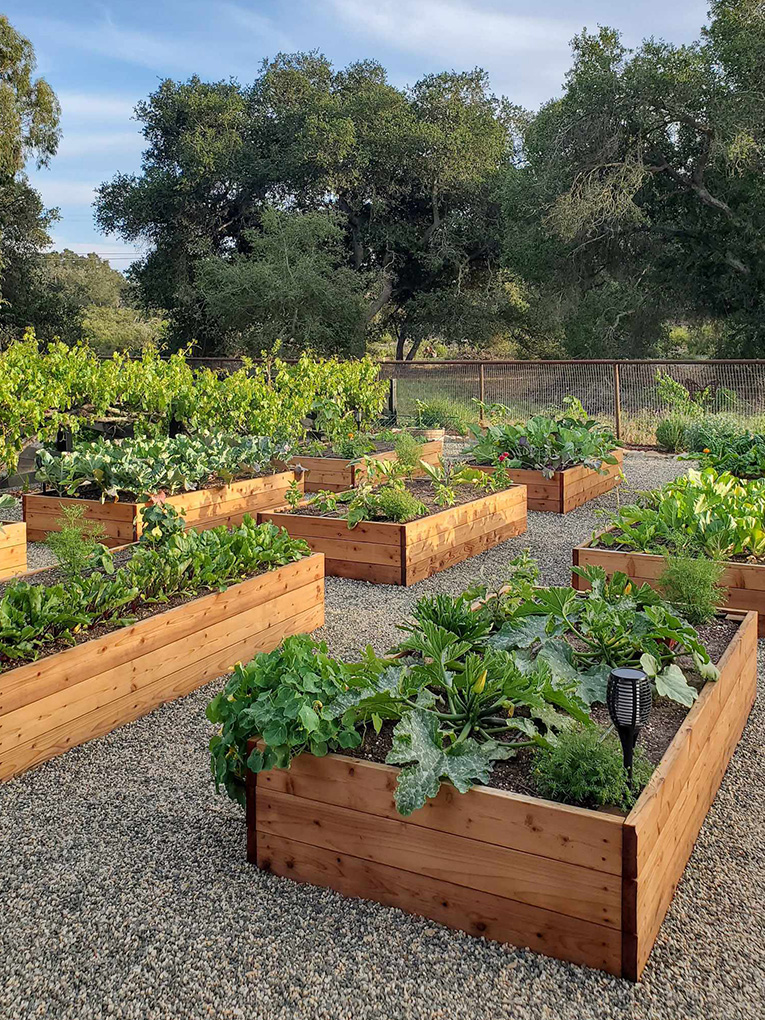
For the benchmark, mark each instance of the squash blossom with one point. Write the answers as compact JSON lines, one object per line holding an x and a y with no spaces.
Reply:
{"x":480,"y":683}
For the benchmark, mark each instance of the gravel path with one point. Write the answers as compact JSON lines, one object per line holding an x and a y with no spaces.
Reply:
{"x":126,"y":893}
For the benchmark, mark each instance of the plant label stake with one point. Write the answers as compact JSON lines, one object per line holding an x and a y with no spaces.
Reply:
{"x":629,"y":705}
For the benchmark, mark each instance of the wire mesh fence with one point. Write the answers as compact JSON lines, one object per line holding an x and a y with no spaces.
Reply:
{"x":624,"y":393}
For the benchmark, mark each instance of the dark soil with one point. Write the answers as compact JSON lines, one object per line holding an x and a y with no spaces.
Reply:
{"x":665,"y":720}
{"x":420,"y":488}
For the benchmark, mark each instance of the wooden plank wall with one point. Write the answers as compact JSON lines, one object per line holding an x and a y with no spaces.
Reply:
{"x":436,"y":543}
{"x":13,"y":549}
{"x":204,"y":508}
{"x":335,"y":475}
{"x":387,"y":553}
{"x":661,"y":830}
{"x":745,"y":581}
{"x":490,"y":863}
{"x":67,"y":698}
{"x":566,"y":490}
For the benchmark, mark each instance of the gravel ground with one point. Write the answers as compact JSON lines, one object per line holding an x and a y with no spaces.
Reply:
{"x":126,"y":892}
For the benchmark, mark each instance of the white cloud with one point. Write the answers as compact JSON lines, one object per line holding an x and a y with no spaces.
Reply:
{"x":84,"y":143}
{"x":55,"y":193}
{"x":455,"y":29}
{"x":91,"y":106}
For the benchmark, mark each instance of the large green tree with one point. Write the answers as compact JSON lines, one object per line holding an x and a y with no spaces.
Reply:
{"x":410,"y":178}
{"x":29,"y":129}
{"x":640,"y":196}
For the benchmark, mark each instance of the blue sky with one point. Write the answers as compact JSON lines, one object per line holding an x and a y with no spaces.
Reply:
{"x":102,"y":57}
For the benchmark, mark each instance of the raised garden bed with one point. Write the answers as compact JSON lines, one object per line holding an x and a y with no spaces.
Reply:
{"x":568,"y":489}
{"x":585,"y":886}
{"x":13,"y":549}
{"x":202,"y":508}
{"x":333,"y":474}
{"x":71,"y":696}
{"x":388,"y":553}
{"x":745,"y":581}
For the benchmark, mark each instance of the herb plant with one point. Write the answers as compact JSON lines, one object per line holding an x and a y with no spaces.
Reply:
{"x":691,"y":585}
{"x":546,"y":443}
{"x":584,"y":766}
{"x":77,"y":546}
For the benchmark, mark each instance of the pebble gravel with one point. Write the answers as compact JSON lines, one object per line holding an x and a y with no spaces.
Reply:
{"x":126,"y":894}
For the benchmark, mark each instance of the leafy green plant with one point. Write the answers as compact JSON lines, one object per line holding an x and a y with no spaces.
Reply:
{"x":280,"y":696}
{"x":583,"y":636}
{"x":546,"y":443}
{"x":700,"y":514}
{"x":76,"y":545}
{"x":712,"y":431}
{"x":143,"y":467}
{"x":742,"y":456}
{"x":293,"y":495}
{"x":168,"y":562}
{"x":466,"y":688}
{"x":691,"y":585}
{"x":584,"y":766}
{"x":353,"y":446}
{"x":7,"y":502}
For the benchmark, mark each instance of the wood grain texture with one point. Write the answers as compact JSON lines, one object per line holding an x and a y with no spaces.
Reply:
{"x":13,"y":549}
{"x":745,"y":581}
{"x":566,"y":490}
{"x":580,"y":885}
{"x":85,"y":691}
{"x":526,"y":878}
{"x":203,"y":508}
{"x":470,"y":910}
{"x":387,"y":553}
{"x":335,"y":474}
{"x":662,"y":828}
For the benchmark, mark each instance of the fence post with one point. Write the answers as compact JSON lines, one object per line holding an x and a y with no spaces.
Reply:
{"x":481,"y":384}
{"x":617,"y":401}
{"x":393,"y":400}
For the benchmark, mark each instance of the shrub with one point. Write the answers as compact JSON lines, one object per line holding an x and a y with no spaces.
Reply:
{"x":389,"y":503}
{"x":691,"y":586}
{"x":585,"y":767}
{"x":671,"y":432}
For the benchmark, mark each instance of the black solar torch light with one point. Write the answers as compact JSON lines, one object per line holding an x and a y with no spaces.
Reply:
{"x":629,"y":705}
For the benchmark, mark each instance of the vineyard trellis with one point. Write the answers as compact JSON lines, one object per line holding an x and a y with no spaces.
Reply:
{"x":624,"y":393}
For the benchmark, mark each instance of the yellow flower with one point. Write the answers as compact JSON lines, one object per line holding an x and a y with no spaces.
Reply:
{"x":480,"y":683}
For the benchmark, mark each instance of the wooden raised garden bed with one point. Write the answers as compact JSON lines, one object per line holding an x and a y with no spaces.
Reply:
{"x":406,"y":553}
{"x":13,"y":549}
{"x":584,"y":886}
{"x":203,"y":508}
{"x":745,"y":581}
{"x":65,"y":699}
{"x":567,"y":489}
{"x":332,"y":474}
